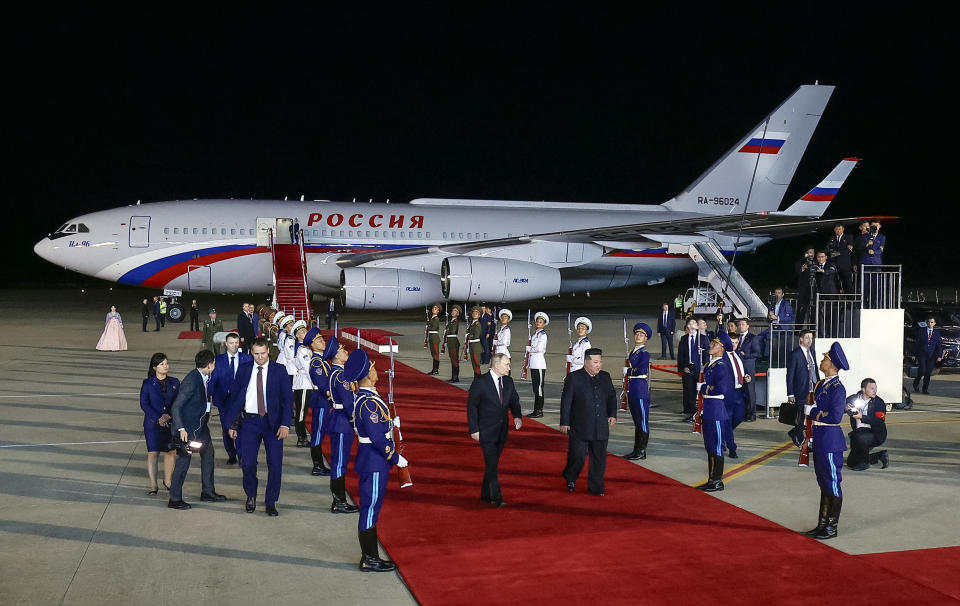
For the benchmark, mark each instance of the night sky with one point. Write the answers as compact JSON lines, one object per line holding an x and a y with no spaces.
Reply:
{"x":619,"y":105}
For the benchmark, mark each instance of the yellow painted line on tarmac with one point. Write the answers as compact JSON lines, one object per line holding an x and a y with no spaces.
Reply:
{"x":754,"y":462}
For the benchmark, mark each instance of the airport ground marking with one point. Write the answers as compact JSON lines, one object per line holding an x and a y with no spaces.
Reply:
{"x":73,"y":395}
{"x":68,"y":444}
{"x":754,"y":462}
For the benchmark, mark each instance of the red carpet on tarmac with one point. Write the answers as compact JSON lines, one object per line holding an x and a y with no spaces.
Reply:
{"x":650,"y":540}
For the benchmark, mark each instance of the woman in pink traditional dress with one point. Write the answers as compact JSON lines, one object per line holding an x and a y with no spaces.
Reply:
{"x":113,"y":338}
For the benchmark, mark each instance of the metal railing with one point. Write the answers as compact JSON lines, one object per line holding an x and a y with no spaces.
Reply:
{"x":838,"y":315}
{"x":782,"y":340}
{"x":881,"y":286}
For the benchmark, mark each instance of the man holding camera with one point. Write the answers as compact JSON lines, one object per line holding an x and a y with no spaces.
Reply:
{"x":870,"y":245}
{"x":190,"y":412}
{"x":840,"y":252}
{"x":868,"y":419}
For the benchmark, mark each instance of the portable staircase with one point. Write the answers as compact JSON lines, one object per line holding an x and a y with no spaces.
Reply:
{"x":290,"y":279}
{"x":714,"y":268}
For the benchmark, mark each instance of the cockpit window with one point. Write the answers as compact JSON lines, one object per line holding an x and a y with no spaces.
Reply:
{"x":83,"y":229}
{"x":62,"y":228}
{"x":72,"y":229}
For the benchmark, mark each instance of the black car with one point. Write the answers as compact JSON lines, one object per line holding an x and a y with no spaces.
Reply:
{"x":948,"y":325}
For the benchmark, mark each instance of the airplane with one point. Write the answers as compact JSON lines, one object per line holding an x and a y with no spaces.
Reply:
{"x":401,"y":256}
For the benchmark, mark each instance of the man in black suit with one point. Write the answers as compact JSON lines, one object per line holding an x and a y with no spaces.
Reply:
{"x":868,"y":419}
{"x":749,"y":348}
{"x":693,"y":346}
{"x":245,"y":327}
{"x":588,"y":407}
{"x":840,"y":252}
{"x":802,"y":376}
{"x":491,"y":396}
{"x":666,"y":324}
{"x":929,"y":353}
{"x":190,"y":412}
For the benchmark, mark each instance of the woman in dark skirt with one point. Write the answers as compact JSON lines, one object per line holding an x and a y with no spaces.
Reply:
{"x":156,"y":395}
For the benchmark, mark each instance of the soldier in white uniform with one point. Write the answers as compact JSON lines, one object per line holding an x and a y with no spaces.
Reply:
{"x":302,"y":385}
{"x":537,"y":363}
{"x":282,"y":321}
{"x":290,"y":346}
{"x":583,"y":326}
{"x":501,"y":342}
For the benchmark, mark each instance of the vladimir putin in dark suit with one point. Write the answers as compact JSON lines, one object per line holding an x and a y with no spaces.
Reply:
{"x":491,"y":396}
{"x":588,"y":406}
{"x":190,"y":412}
{"x":261,"y":406}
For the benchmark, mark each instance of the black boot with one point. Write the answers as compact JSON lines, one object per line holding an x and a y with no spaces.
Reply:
{"x":706,"y":484}
{"x":454,"y":375}
{"x":716,"y":480}
{"x":339,"y":490}
{"x":436,"y":368}
{"x":833,"y":517}
{"x":822,"y":519}
{"x":319,"y":469}
{"x":644,"y":438}
{"x":537,"y":408}
{"x":371,"y":561}
{"x":301,"y":429}
{"x":880,"y":457}
{"x":635,"y":453}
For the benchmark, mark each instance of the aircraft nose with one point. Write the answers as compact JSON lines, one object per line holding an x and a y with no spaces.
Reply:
{"x":44,"y":249}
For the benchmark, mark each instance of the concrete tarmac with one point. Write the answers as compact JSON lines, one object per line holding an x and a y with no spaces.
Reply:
{"x":77,"y":526}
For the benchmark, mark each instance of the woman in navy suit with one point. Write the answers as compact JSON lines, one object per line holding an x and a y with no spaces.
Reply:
{"x":156,"y":394}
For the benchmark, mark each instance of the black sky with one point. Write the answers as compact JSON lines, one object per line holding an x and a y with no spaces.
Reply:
{"x":602,"y":105}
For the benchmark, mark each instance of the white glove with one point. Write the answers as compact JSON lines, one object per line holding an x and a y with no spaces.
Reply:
{"x":402,"y":461}
{"x":626,"y":369}
{"x":396,"y":422}
{"x":569,"y":359}
{"x":528,"y":348}
{"x":807,"y":408}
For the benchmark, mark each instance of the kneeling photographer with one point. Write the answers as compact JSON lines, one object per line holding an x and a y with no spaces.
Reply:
{"x":190,"y":412}
{"x":868,"y":415}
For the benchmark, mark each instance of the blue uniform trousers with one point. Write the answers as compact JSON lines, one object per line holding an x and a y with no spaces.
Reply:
{"x":340,"y":447}
{"x":319,"y":412}
{"x":640,"y":411}
{"x":253,"y":431}
{"x":714,"y":436}
{"x":229,"y":444}
{"x":373,"y":485}
{"x":827,"y":465}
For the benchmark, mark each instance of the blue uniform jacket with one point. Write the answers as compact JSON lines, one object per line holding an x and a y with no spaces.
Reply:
{"x":320,"y":375}
{"x":278,"y":395}
{"x":798,"y":380}
{"x":152,"y":399}
{"x":372,"y":422}
{"x":639,"y":366}
{"x":341,"y":420}
{"x":830,"y":401}
{"x":221,"y":378}
{"x":716,"y":382}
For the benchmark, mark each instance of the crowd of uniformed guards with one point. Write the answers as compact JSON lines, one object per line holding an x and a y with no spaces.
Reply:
{"x":339,"y":391}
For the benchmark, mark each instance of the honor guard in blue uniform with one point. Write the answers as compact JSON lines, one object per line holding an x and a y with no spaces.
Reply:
{"x":339,"y":426}
{"x":829,"y":441}
{"x":716,"y":384}
{"x":638,"y":394}
{"x":320,"y":398}
{"x":376,"y":454}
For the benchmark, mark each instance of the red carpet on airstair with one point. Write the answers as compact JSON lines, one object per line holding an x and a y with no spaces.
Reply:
{"x":650,"y":540}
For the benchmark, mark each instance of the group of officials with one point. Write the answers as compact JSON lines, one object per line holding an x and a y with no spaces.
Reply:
{"x":260,"y":401}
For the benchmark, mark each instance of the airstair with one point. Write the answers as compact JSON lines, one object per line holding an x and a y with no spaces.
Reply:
{"x":714,"y":269}
{"x":290,"y":293}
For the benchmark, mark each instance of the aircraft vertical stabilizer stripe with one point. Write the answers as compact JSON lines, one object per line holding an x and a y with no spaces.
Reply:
{"x":761,"y":165}
{"x":815,"y":202}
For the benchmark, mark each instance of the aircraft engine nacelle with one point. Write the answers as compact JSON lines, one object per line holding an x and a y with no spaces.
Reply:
{"x":387,"y":288}
{"x":465,"y":278}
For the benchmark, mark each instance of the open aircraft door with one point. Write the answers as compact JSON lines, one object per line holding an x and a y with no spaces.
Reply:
{"x":264,"y":225}
{"x":139,"y":232}
{"x":199,"y":278}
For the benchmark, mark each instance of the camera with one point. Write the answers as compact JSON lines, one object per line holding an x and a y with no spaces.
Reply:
{"x":852,"y":412}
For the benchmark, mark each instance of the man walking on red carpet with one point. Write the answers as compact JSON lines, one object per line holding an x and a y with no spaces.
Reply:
{"x":588,"y":398}
{"x":491,"y":396}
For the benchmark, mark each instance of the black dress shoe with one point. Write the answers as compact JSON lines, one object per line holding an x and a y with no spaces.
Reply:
{"x":319,"y":470}
{"x":733,"y":454}
{"x":884,"y":460}
{"x":372,"y":564}
{"x":216,"y":496}
{"x":272,"y":511}
{"x":498,"y":503}
{"x":536,"y":414}
{"x":339,"y":506}
{"x":571,"y":486}
{"x":716,"y":486}
{"x":251,"y":504}
{"x":596,"y":494}
{"x":688,"y":419}
{"x":923,"y":392}
{"x":178,"y":505}
{"x":232,"y":461}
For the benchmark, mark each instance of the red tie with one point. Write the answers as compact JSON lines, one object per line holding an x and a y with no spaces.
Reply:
{"x":737,"y":368}
{"x":261,"y":403}
{"x":929,"y":334}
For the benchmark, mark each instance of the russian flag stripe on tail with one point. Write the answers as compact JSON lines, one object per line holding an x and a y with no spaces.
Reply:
{"x":765,"y":144}
{"x":814,"y":203}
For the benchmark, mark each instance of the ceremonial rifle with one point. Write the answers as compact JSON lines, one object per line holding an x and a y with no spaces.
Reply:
{"x":403,"y":473}
{"x":446,"y":319}
{"x":807,"y":437}
{"x":626,"y":368}
{"x":526,"y":358}
{"x":570,"y":345}
{"x":698,"y":416}
{"x":426,"y":327}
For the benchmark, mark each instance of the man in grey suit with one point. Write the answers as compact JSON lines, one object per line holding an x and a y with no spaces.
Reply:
{"x":588,"y":407}
{"x":491,"y":396}
{"x":190,"y":412}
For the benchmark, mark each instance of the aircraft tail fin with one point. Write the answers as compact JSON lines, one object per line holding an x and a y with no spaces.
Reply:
{"x":761,"y":165}
{"x":815,"y":202}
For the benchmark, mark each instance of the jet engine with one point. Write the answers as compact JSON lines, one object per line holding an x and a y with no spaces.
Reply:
{"x":387,"y":288}
{"x":465,"y":278}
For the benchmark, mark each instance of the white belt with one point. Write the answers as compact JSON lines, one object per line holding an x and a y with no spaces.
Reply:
{"x":433,"y":332}
{"x":363,"y":440}
{"x":713,"y":397}
{"x":819,"y":424}
{"x":338,"y":406}
{"x":639,"y":377}
{"x":473,"y":341}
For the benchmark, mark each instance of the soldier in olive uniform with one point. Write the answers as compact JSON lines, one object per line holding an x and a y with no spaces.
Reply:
{"x":453,"y":343}
{"x":433,"y":335}
{"x":474,"y":341}
{"x":211,"y":327}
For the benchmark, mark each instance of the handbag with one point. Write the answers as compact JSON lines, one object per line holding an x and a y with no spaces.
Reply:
{"x":791,"y":413}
